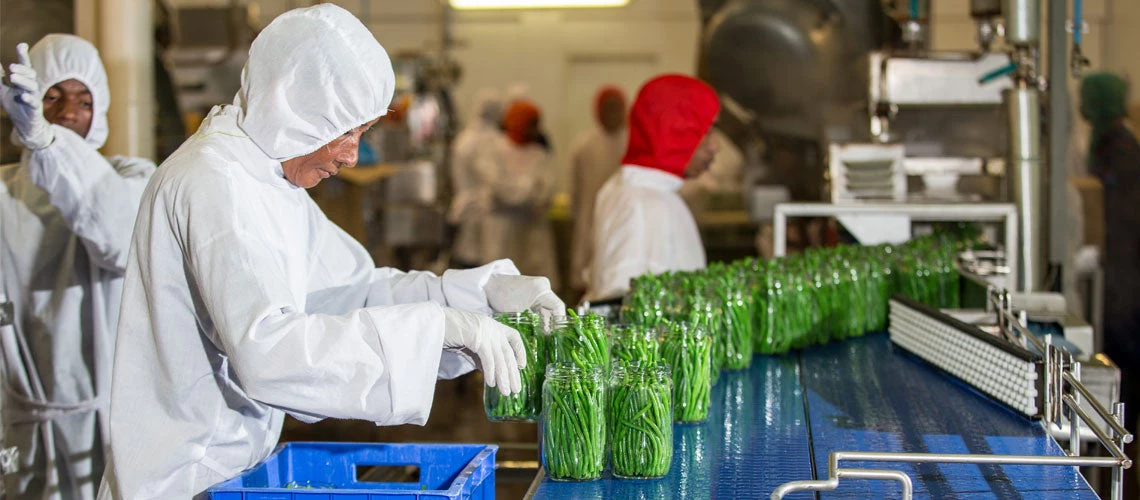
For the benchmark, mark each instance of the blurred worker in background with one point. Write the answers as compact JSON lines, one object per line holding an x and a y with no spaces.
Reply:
{"x":641,"y":223}
{"x":519,"y":175}
{"x":66,"y":214}
{"x":1114,"y":158}
{"x":596,"y":156}
{"x":243,"y":302}
{"x":470,"y":201}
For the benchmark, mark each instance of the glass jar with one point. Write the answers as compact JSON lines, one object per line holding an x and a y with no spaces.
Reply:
{"x":630,"y":343}
{"x":581,"y":340}
{"x":573,"y":422}
{"x":687,"y":349}
{"x":525,"y":406}
{"x":640,"y":417}
{"x":736,"y":324}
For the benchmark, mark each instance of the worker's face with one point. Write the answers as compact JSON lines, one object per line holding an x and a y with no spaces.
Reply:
{"x":702,"y":158}
{"x":611,"y":113}
{"x":308,"y":171}
{"x":69,"y":104}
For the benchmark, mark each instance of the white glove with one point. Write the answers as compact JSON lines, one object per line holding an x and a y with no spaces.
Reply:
{"x":23,"y":105}
{"x":499,"y":348}
{"x":510,"y":293}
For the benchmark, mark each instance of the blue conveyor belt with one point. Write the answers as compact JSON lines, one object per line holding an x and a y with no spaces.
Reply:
{"x":770,"y":424}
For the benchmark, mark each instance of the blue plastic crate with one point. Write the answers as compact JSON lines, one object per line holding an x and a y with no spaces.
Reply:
{"x":327,"y":471}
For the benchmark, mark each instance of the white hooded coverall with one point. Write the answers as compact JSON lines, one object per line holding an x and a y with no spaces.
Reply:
{"x":471,"y":201}
{"x":66,"y":215}
{"x":243,"y":302}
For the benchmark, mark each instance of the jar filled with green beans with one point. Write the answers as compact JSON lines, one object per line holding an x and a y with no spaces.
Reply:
{"x":632,"y":343}
{"x":687,"y":349}
{"x":573,"y":422}
{"x":525,"y":406}
{"x":640,"y":420}
{"x":581,"y":340}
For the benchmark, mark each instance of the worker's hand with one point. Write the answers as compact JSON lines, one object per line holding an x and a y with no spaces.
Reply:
{"x":23,"y":103}
{"x":499,"y":348}
{"x":510,"y":293}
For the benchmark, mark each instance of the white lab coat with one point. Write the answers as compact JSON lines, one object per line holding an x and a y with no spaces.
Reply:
{"x":243,"y":302}
{"x":66,"y":214}
{"x":595,"y":157}
{"x":641,"y":225}
{"x":471,"y":200}
{"x":521,"y":181}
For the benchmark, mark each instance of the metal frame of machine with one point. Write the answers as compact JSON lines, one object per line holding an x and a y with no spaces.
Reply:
{"x":996,"y":366}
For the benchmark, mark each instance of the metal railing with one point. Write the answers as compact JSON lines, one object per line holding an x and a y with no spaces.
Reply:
{"x":1063,"y":393}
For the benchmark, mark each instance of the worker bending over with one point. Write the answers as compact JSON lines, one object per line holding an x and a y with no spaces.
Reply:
{"x":244,"y":303}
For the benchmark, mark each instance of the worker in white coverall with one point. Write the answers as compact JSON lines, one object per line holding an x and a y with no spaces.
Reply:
{"x":517,"y":172}
{"x":66,"y":214}
{"x":641,"y":223}
{"x":243,"y":302}
{"x":471,"y":201}
{"x":595,"y":157}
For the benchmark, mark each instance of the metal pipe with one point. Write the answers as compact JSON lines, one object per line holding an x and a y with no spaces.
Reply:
{"x":832,"y":483}
{"x":1059,"y":126}
{"x":1074,"y":420}
{"x":1105,"y":439}
{"x":1117,"y":492}
{"x":1100,"y":409}
{"x":1021,"y":21}
{"x":1026,"y":182}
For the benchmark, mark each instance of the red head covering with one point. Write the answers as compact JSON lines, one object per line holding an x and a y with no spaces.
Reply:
{"x":604,"y":93}
{"x":669,"y":119}
{"x":518,"y":120}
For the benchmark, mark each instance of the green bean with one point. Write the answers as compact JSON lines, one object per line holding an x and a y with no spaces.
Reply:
{"x":634,"y":343}
{"x":640,"y":421}
{"x":580,"y":340}
{"x":573,"y":422}
{"x":527,"y":405}
{"x":687,"y":350}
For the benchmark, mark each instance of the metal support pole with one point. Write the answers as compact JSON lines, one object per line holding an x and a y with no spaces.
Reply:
{"x":1117,"y":492}
{"x":1059,"y":126}
{"x":1074,"y":420}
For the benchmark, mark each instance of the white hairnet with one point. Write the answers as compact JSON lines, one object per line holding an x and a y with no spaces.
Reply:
{"x":312,"y":75}
{"x":57,"y":58}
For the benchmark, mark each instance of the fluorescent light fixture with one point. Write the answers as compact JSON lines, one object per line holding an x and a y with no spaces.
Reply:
{"x":535,"y":4}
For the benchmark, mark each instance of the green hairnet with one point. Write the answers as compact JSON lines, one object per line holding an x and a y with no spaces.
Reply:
{"x":1104,"y":100}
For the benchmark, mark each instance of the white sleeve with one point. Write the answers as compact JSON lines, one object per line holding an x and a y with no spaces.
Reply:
{"x":461,"y":289}
{"x":97,"y":198}
{"x":373,"y":363}
{"x":621,"y":246}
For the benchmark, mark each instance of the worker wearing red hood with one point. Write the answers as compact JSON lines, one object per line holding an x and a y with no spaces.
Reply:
{"x":641,"y":224}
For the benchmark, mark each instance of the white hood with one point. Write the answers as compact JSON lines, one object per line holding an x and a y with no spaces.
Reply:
{"x":312,"y":75}
{"x":58,"y":58}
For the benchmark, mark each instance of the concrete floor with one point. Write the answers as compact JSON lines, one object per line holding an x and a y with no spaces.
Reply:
{"x":457,"y":416}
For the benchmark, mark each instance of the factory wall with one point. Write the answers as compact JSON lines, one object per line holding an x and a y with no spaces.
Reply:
{"x":561,"y":56}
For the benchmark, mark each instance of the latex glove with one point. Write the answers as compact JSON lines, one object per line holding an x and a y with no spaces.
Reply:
{"x":498,"y":348}
{"x":511,"y":293}
{"x":22,"y":102}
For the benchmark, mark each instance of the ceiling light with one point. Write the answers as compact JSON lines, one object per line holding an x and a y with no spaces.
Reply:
{"x":535,"y":4}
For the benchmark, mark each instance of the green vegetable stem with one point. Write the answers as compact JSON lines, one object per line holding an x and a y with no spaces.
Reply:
{"x":641,"y":420}
{"x":573,"y":422}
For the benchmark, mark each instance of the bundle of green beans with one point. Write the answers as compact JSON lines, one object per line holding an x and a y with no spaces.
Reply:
{"x":573,"y":422}
{"x":631,"y":343}
{"x":640,"y":420}
{"x":736,"y":327}
{"x":687,"y":349}
{"x":581,"y":340}
{"x":525,"y":406}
